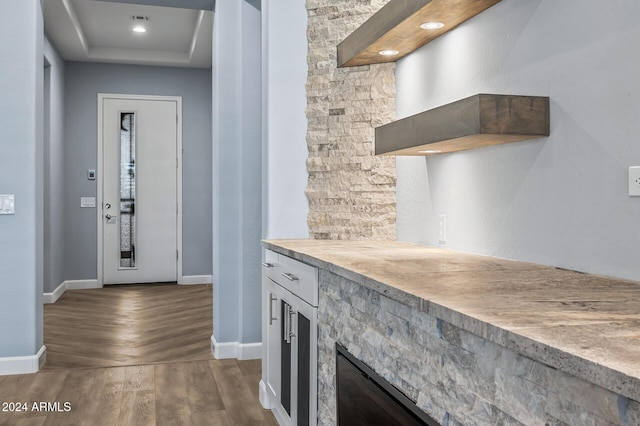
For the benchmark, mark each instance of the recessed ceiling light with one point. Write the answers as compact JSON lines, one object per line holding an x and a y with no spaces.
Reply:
{"x":388,"y":52}
{"x":432,"y":25}
{"x":430,"y":151}
{"x":140,"y":23}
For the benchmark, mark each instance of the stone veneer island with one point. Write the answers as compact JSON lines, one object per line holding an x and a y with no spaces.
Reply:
{"x":475,"y":340}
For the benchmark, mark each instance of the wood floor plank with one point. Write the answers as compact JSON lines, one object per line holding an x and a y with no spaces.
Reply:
{"x":106,"y":397}
{"x":112,"y":375}
{"x":215,"y":418}
{"x":138,"y":408}
{"x":172,"y":400}
{"x":250,"y":367}
{"x":44,"y":389}
{"x":27,"y":421}
{"x":205,"y":402}
{"x":76,"y":390}
{"x":253,"y":383}
{"x":139,"y":400}
{"x":18,"y":384}
{"x":4,"y":418}
{"x":14,"y":388}
{"x":63,"y":361}
{"x":202,"y":390}
{"x":239,"y":402}
{"x":139,"y":378}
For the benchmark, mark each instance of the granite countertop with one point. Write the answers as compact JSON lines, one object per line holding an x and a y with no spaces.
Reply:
{"x":585,"y":325}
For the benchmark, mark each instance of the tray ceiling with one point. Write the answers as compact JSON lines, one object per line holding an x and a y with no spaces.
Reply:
{"x":101,"y":31}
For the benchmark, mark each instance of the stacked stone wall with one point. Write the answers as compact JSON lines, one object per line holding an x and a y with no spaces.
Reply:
{"x":455,"y":376}
{"x":351,"y":192}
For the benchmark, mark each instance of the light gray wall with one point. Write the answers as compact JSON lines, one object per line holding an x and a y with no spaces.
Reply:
{"x":284,"y":38}
{"x":83,"y":83}
{"x":54,"y":213}
{"x":21,"y":118}
{"x":237,"y":172}
{"x":558,"y":201}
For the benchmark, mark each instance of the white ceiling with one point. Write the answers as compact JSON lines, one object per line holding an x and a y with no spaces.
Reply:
{"x":101,"y":31}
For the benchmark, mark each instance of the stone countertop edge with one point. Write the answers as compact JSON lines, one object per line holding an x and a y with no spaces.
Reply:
{"x":602,"y":375}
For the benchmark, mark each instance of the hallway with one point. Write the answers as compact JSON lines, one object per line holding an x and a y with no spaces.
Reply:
{"x":134,"y":355}
{"x":128,"y":325}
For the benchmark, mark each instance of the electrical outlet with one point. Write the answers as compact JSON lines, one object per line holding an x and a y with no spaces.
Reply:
{"x":634,"y":181}
{"x":442,"y":228}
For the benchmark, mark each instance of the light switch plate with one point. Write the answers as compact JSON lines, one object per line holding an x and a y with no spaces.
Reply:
{"x":634,"y":181}
{"x":87,"y":202}
{"x":7,"y":204}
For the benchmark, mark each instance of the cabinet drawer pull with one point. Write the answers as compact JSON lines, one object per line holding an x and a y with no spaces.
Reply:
{"x":289,"y":276}
{"x":271,"y":300}
{"x":267,"y":264}
{"x":292,"y":314}
{"x":287,"y":323}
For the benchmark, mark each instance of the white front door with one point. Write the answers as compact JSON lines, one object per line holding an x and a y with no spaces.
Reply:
{"x":139,"y":190}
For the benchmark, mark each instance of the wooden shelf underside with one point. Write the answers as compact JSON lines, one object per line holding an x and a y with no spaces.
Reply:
{"x":397,"y":26}
{"x":474,"y":122}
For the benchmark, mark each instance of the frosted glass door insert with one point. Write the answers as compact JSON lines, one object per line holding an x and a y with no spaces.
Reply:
{"x":127,"y":190}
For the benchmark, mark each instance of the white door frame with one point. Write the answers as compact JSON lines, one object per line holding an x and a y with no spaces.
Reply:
{"x":100,"y":166}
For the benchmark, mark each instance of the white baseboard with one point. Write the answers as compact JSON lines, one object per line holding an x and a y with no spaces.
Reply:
{"x":68,"y":285}
{"x":196,"y":279}
{"x":264,"y":396}
{"x":23,"y":364}
{"x":55,"y":295}
{"x":81,"y":284}
{"x":241,"y":351}
{"x":250,"y":351}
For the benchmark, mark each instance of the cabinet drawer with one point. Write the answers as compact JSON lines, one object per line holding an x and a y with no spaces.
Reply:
{"x":297,"y":277}
{"x":271,"y":267}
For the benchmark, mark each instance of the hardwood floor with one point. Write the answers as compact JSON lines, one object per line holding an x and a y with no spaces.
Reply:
{"x":134,"y":355}
{"x":128,"y":325}
{"x":214,"y":392}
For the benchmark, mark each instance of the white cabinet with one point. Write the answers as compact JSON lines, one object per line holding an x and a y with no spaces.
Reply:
{"x":270,"y":340}
{"x":289,"y":340}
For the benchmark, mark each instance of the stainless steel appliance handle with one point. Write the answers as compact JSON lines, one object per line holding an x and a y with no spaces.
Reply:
{"x":267,"y":265}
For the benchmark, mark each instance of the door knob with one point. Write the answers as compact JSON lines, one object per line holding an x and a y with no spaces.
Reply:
{"x":107,"y":206}
{"x":108,"y":217}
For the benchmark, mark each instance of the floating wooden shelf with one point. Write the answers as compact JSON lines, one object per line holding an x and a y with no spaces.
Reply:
{"x":474,"y":122}
{"x":397,"y":26}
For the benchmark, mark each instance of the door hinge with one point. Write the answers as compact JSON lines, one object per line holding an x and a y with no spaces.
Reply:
{"x":176,"y":209}
{"x":177,"y":257}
